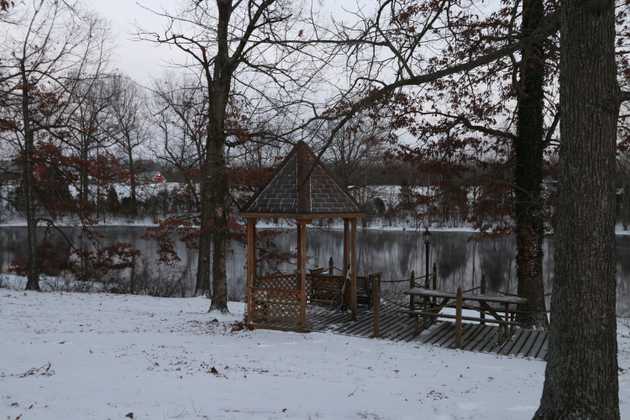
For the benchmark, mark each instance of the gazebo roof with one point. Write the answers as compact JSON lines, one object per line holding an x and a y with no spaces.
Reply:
{"x":302,"y":187}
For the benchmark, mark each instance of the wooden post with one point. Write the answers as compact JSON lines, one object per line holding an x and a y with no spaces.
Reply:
{"x":482,"y":314}
{"x":251,"y":269}
{"x":427,"y":302}
{"x":459,"y":300}
{"x":412,"y":284}
{"x":353,"y":268}
{"x":331,"y":267}
{"x":346,"y":260}
{"x":298,"y":248}
{"x":346,"y":246}
{"x":508,"y":327}
{"x":376,"y":305}
{"x":434,"y":281}
{"x":302,"y":272}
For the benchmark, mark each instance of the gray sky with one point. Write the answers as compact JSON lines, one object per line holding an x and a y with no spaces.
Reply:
{"x":140,"y":60}
{"x":144,"y":61}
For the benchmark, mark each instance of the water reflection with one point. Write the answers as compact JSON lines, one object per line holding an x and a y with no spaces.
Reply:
{"x":459,"y":260}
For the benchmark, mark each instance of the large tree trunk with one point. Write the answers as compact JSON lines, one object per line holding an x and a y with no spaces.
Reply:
{"x":625,"y":204}
{"x":202,"y":286}
{"x":581,"y":378}
{"x":215,"y":149}
{"x":220,"y":234}
{"x":528,"y":173}
{"x":32,"y":271}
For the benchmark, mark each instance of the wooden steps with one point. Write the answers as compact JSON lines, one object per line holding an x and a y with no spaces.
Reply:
{"x":396,"y":325}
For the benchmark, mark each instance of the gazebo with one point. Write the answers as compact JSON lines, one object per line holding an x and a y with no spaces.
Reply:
{"x":301,"y":189}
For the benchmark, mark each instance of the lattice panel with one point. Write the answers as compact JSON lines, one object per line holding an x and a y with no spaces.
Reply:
{"x":277,"y":281}
{"x":325,"y":289}
{"x":276,"y":308}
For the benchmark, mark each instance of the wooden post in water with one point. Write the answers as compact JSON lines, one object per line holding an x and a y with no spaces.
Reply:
{"x":376,"y":305}
{"x":459,"y":300}
{"x":434,"y":281}
{"x":353,"y":268}
{"x":331,"y":266}
{"x":427,"y":285}
{"x":482,"y":314}
{"x":412,"y":284}
{"x":345,"y":299}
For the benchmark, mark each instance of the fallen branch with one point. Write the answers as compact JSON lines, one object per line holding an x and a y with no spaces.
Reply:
{"x":44,"y":370}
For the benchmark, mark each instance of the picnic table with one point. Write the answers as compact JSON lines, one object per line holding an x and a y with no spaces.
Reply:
{"x":499,"y":310}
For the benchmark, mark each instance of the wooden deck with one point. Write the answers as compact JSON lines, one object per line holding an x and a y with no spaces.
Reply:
{"x":398,"y":326}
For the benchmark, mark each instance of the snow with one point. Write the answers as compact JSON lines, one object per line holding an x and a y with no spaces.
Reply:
{"x":160,"y":358}
{"x":52,"y":284}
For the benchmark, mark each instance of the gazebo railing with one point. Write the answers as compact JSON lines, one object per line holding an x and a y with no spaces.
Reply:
{"x":276,"y":297}
{"x":277,"y":281}
{"x":276,"y":301}
{"x":325,"y":289}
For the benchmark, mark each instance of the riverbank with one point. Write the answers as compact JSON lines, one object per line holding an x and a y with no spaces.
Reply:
{"x":373,"y":225}
{"x":100,"y":356}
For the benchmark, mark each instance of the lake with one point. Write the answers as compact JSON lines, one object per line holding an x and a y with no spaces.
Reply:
{"x":460,"y":260}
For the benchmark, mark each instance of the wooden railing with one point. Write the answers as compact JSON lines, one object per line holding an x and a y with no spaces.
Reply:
{"x":275,"y":298}
{"x":276,"y":301}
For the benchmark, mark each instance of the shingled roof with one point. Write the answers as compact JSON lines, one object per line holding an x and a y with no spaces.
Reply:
{"x":302,"y":186}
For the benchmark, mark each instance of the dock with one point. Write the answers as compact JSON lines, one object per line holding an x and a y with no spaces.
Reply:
{"x":396,"y":325}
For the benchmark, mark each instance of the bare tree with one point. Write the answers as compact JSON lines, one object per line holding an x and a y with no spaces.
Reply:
{"x":93,"y":131}
{"x":131,"y":130}
{"x":425,"y":64}
{"x":358,"y":148}
{"x":52,"y":46}
{"x":237,"y":47}
{"x":180,"y":112}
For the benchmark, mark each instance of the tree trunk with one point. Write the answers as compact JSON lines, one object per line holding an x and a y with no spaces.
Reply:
{"x":625,"y":206}
{"x":528,"y":173}
{"x":132,"y":182}
{"x":84,"y":192}
{"x":581,"y":379}
{"x":202,"y":286}
{"x":215,"y":149}
{"x":29,"y":193}
{"x":220,"y":214}
{"x":217,"y":180}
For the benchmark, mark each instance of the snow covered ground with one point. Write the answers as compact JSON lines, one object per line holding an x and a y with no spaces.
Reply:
{"x":98,"y":356}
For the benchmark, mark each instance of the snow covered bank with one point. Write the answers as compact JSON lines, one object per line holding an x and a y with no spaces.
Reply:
{"x":52,"y":284}
{"x":99,"y":356}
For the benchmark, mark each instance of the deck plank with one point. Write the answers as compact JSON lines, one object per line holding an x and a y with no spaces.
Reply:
{"x":451,"y":343}
{"x":483,"y":331}
{"x":438,"y":337}
{"x":543,"y":349}
{"x":396,"y":325}
{"x":470,"y":330}
{"x":491,"y":341}
{"x":529,"y":344}
{"x":523,"y":336}
{"x":537,"y":347}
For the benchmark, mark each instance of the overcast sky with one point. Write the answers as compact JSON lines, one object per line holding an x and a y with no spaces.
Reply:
{"x":140,"y":60}
{"x":144,"y":61}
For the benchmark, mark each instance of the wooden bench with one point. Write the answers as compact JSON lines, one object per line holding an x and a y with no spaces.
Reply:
{"x":327,"y":289}
{"x":499,"y":310}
